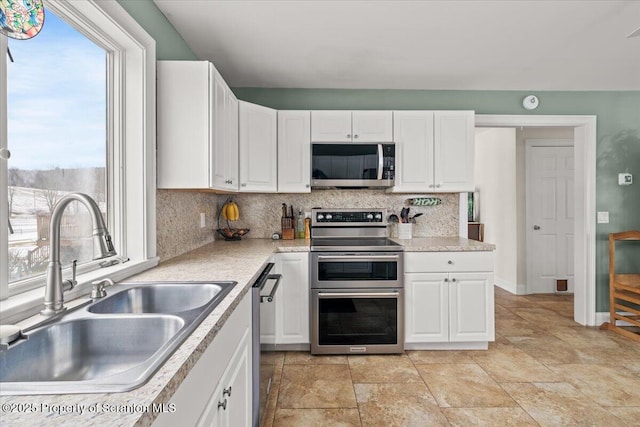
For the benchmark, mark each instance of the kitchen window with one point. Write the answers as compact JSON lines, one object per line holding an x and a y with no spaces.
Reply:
{"x":105,"y":148}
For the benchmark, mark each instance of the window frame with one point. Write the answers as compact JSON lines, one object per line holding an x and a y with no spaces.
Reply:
{"x":131,"y":168}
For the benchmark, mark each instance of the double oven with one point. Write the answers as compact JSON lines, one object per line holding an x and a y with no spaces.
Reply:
{"x":357,"y":288}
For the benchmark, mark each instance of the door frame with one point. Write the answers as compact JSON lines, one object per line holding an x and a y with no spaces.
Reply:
{"x":584,"y":137}
{"x":529,"y":144}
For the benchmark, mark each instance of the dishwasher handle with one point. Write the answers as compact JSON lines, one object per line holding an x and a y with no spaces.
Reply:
{"x":272,"y":294}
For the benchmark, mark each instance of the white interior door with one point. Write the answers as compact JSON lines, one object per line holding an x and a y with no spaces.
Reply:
{"x":550,"y":217}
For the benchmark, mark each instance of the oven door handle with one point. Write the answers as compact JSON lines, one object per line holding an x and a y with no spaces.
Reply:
{"x":359,"y":258}
{"x":358,"y":294}
{"x":272,"y":294}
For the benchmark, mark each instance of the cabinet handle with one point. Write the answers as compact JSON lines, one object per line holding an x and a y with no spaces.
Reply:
{"x":446,"y":280}
{"x":226,"y":391}
{"x":453,"y":280}
{"x":230,"y":181}
{"x":223,"y":404}
{"x":449,"y":262}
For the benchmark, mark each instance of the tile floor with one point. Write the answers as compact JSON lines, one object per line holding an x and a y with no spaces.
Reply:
{"x":543,"y":369}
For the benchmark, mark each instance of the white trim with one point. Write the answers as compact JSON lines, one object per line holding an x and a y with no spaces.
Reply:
{"x":514,"y":288}
{"x":585,"y":200}
{"x":4,"y":232}
{"x":464,"y":217}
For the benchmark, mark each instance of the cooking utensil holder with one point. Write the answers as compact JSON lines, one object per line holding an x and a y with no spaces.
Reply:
{"x":405,"y":230}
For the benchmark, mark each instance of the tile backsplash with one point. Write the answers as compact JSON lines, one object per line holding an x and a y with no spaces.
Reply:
{"x":262,"y":212}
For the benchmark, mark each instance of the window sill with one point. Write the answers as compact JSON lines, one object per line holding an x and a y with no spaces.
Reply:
{"x":24,"y":305}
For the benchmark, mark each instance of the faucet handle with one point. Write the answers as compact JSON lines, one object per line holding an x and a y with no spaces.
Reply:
{"x":69,"y":284}
{"x":98,"y":288}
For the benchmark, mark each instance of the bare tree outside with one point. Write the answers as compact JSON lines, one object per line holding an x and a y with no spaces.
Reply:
{"x":12,"y":194}
{"x":50,"y":197}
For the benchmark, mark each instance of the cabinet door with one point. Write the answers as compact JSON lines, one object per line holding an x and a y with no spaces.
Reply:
{"x":454,"y":150}
{"x":258,"y":148}
{"x":471,"y":307}
{"x":184,"y":108}
{"x":294,"y":151}
{"x":372,"y":126}
{"x":232,"y":179}
{"x":413,"y":132}
{"x":218,"y":126}
{"x":331,"y":126}
{"x":427,"y":308}
{"x":292,"y":305}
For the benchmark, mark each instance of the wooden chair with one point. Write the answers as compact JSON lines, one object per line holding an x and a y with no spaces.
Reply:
{"x":624,"y":292}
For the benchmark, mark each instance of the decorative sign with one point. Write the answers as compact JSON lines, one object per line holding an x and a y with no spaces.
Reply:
{"x":21,"y":19}
{"x":424,"y":201}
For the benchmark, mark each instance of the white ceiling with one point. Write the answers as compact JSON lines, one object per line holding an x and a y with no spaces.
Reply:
{"x":459,"y":45}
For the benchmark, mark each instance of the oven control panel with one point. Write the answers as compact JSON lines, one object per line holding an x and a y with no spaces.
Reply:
{"x":332,"y":217}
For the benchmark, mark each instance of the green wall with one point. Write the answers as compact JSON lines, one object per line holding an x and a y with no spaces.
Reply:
{"x":618,"y":127}
{"x":169,"y":44}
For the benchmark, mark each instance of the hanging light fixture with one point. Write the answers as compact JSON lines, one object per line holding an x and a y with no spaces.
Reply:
{"x":21,"y":19}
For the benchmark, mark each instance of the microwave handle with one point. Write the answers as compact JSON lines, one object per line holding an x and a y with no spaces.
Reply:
{"x":380,"y":161}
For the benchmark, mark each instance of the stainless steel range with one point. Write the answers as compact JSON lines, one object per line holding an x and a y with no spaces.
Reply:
{"x":357,"y":287}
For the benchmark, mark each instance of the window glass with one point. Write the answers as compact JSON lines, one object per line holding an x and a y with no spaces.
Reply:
{"x":56,"y":125}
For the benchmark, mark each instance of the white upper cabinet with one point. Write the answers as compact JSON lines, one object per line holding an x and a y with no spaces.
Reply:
{"x":197,"y":127}
{"x":294,"y":151}
{"x":352,"y":126}
{"x":434,"y":151}
{"x":258,"y":148}
{"x":454,"y":150}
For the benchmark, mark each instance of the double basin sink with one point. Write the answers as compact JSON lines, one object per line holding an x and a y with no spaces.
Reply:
{"x":112,"y":344}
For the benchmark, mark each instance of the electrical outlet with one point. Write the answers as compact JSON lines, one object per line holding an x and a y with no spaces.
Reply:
{"x":203,"y":220}
{"x":603,"y":217}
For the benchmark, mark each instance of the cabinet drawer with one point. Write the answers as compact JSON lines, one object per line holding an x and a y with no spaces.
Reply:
{"x":426,"y":262}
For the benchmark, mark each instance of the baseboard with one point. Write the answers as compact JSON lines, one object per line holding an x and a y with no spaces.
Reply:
{"x":514,"y":288}
{"x":285,"y":347}
{"x":480,"y":345}
{"x":602,"y":317}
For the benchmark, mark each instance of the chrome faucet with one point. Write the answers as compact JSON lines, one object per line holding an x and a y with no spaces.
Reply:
{"x":102,"y":248}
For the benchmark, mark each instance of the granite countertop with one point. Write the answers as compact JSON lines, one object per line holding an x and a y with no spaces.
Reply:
{"x":240,"y":261}
{"x":443,"y":244}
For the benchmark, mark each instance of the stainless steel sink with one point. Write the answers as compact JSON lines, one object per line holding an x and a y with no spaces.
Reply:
{"x":165,"y":298}
{"x":110,"y":345}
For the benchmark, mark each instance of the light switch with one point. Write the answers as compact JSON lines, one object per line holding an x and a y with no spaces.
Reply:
{"x":203,"y":220}
{"x":603,"y":217}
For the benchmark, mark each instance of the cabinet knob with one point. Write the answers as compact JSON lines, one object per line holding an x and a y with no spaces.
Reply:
{"x":243,"y":185}
{"x":446,"y":280}
{"x":223,"y":405}
{"x":230,"y":181}
{"x":453,"y":280}
{"x":226,"y":391}
{"x":355,"y":136}
{"x":449,"y":262}
{"x":307,"y":186}
{"x":430,"y":185}
{"x":348,"y":135}
{"x":438,"y":186}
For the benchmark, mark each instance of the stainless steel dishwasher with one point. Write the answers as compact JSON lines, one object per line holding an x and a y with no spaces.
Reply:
{"x":262,"y":372}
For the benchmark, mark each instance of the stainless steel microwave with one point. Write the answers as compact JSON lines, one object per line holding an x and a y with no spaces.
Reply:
{"x":355,"y":165}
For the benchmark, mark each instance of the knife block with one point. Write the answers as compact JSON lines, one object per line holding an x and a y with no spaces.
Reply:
{"x":288,"y":233}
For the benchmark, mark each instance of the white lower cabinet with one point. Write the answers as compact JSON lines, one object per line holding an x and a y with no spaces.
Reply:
{"x":286,"y":320}
{"x":449,"y":302}
{"x":217,"y":391}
